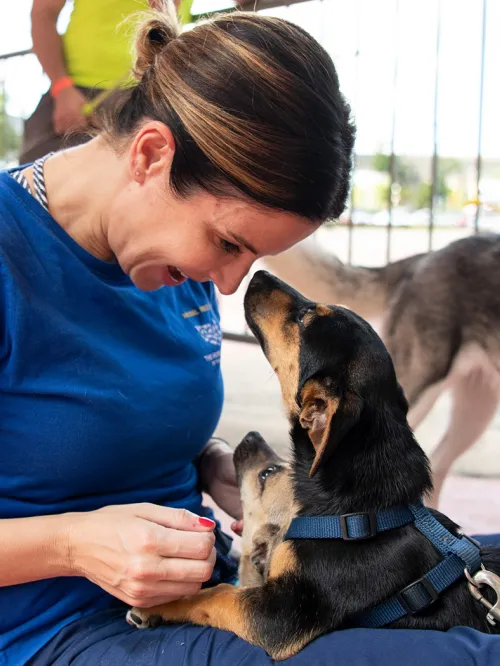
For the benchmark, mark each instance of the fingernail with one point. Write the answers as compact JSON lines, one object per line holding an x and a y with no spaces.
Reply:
{"x":206,"y":522}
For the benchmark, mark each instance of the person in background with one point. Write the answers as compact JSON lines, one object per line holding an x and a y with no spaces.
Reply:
{"x":90,"y":59}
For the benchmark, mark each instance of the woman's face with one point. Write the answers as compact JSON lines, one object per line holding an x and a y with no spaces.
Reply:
{"x":166,"y":240}
{"x":160,"y":239}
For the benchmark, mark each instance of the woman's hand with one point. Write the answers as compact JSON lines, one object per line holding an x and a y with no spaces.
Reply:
{"x":68,"y":111}
{"x":143,"y":554}
{"x":218,"y":476}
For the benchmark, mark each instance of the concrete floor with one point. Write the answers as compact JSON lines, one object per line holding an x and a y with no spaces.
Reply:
{"x":471,"y":496}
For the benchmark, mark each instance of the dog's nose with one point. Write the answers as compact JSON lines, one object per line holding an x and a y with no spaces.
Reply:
{"x":262,"y":282}
{"x":252,"y":448}
{"x":262,"y":277}
{"x":253,"y":438}
{"x":251,"y":444}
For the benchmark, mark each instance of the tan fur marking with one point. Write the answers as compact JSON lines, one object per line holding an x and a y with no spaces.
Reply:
{"x":318,"y":410}
{"x":293,"y":648}
{"x":221,"y":607}
{"x":313,"y":390}
{"x":283,"y":560}
{"x":319,"y":311}
{"x":308,"y":318}
{"x":283,"y":342}
{"x":323,"y":310}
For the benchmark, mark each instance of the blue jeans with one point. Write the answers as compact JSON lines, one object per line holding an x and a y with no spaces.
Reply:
{"x":105,"y":639}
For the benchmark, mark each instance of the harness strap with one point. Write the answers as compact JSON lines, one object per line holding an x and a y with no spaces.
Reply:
{"x":447,"y":543}
{"x":349,"y":526}
{"x":460,"y":553}
{"x":415,"y":597}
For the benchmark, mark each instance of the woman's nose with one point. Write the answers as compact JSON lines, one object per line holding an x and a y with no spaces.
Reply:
{"x":228,"y":278}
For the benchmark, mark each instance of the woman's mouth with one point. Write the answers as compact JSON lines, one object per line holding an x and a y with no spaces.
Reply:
{"x":173,"y":276}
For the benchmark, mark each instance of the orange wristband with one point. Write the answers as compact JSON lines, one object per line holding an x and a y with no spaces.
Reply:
{"x":60,"y":85}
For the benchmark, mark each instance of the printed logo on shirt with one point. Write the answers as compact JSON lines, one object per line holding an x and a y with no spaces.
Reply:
{"x":210,"y":333}
{"x":214,"y":358}
{"x":194,"y":311}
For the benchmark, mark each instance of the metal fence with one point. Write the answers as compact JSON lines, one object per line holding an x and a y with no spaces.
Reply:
{"x":403,"y":200}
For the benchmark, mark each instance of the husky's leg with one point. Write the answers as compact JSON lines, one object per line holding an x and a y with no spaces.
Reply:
{"x":423,"y":405}
{"x":474,"y":402}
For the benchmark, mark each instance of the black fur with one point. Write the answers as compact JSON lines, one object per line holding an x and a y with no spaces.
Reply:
{"x":377,"y":464}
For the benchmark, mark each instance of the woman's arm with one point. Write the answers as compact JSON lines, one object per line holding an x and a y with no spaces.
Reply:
{"x":218,"y":477}
{"x":48,"y":47}
{"x":32,"y":549}
{"x":143,"y":554}
{"x":47,"y":42}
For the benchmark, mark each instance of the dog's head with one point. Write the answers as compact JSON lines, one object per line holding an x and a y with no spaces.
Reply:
{"x":332,"y":366}
{"x":268,"y":505}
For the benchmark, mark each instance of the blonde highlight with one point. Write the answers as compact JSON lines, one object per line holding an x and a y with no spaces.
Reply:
{"x":244,"y":109}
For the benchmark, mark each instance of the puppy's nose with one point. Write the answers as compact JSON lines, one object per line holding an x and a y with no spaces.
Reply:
{"x":252,"y":448}
{"x":250,"y":445}
{"x":253,"y":438}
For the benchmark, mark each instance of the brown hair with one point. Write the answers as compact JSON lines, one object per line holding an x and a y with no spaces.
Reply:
{"x":253,"y":103}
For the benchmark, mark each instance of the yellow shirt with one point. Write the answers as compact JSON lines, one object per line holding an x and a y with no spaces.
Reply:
{"x":98,"y":45}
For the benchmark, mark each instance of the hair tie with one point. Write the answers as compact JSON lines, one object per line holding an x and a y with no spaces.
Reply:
{"x":157,"y":36}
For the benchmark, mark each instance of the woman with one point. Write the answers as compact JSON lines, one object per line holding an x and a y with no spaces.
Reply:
{"x":235,"y":143}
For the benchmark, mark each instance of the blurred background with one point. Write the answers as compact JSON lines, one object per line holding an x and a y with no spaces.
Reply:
{"x":421,"y":78}
{"x":422,"y":81}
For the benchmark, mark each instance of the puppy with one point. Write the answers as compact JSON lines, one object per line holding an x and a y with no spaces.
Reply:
{"x":268,"y":505}
{"x":353,"y":452}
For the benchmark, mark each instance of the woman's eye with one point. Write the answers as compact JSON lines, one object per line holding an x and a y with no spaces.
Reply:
{"x":229,"y":247}
{"x":265,"y":472}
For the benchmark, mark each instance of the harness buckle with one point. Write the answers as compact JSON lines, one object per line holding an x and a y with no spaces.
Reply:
{"x":485,"y":577}
{"x":413,"y":606}
{"x":470,"y":540}
{"x":372,"y":520}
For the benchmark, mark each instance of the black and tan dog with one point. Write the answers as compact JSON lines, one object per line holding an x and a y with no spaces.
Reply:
{"x":353,"y":451}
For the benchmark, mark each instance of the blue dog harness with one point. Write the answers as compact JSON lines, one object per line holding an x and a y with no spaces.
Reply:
{"x":459,"y":554}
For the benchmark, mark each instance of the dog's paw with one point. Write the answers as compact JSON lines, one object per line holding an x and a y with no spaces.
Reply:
{"x":259,"y":556}
{"x":142,"y":618}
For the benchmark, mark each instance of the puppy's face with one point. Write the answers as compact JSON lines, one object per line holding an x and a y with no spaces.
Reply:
{"x":268,"y":505}
{"x":330,"y":362}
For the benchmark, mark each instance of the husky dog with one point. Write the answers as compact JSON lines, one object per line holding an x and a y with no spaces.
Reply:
{"x":438,"y":314}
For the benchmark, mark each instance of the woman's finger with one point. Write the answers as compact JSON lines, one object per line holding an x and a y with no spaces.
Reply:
{"x":177,"y":519}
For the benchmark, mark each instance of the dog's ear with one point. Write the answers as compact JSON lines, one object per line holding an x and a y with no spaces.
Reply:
{"x":327,"y":418}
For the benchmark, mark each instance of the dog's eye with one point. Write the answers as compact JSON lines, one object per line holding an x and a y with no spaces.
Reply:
{"x":301,"y":314}
{"x":266,"y":472}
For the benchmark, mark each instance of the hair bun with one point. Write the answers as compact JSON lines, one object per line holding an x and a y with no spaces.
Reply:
{"x":155,"y":30}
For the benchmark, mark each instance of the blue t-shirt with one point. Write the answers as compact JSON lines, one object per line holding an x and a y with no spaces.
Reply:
{"x":107,"y":394}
